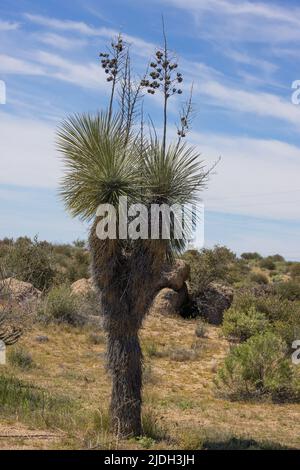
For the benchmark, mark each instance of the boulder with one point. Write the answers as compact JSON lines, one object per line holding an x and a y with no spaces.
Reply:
{"x":174,"y":276}
{"x":169,"y":301}
{"x":83,"y":287}
{"x":214,"y":301}
{"x":18,"y":290}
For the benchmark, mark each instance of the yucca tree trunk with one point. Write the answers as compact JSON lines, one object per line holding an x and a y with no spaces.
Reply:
{"x":126,"y":285}
{"x":125,"y":365}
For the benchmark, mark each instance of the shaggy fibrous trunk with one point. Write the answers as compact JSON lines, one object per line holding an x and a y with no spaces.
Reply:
{"x":125,"y":282}
{"x":125,"y":364}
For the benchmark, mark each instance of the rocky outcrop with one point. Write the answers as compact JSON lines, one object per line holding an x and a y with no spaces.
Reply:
{"x":172,"y":289}
{"x":83,"y":287}
{"x":174,"y":276}
{"x":213,"y":302}
{"x":16,"y":290}
{"x":169,"y":301}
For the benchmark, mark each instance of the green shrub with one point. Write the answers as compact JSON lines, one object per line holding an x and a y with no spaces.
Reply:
{"x":60,"y":306}
{"x":289,"y":290}
{"x":30,"y":261}
{"x":257,"y":368}
{"x":251,"y":256}
{"x":295,"y":271}
{"x":201,"y":328}
{"x":276,"y":258}
{"x":259,"y":278}
{"x":208,"y":265}
{"x":267,"y":263}
{"x":20,"y":358}
{"x":241,"y":325}
{"x":274,"y":307}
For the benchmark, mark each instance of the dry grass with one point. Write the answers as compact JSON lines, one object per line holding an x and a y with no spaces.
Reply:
{"x":179,"y":394}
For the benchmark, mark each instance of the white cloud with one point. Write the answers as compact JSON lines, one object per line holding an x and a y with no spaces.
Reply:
{"x":142,"y":48}
{"x":254,"y":177}
{"x":27,"y":152}
{"x":61,"y":42}
{"x":8,"y":26}
{"x":65,"y":25}
{"x":13,"y":65}
{"x":259,"y":103}
{"x":245,"y":58}
{"x":243,"y":20}
{"x":85,"y":75}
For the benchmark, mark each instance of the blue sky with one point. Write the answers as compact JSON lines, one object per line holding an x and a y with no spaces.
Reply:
{"x":242,"y":56}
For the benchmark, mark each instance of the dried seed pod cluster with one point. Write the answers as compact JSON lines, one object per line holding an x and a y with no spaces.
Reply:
{"x":109,"y":61}
{"x":184,"y":127}
{"x":162,"y":76}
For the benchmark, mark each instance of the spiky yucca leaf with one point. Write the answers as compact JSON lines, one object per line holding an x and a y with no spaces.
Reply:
{"x":101,"y":163}
{"x":175,"y":177}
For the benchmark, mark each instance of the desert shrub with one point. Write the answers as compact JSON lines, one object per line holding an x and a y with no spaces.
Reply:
{"x":151,"y":349}
{"x":20,"y":358}
{"x":283,"y":315}
{"x":241,"y":325}
{"x":267,"y":263}
{"x":208,"y":265}
{"x":274,"y":307}
{"x":182,"y":354}
{"x":259,"y":278}
{"x":60,"y":306}
{"x":289,"y":290}
{"x":251,"y":256}
{"x":78,"y":266}
{"x":257,"y":368}
{"x":89,"y":304}
{"x":276,"y":258}
{"x":152,"y":427}
{"x":30,"y":261}
{"x":295,"y":271}
{"x":201,"y":328}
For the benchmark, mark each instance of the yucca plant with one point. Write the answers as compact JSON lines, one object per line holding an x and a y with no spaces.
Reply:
{"x":103,"y":162}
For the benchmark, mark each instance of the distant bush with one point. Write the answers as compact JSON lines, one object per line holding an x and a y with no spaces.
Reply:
{"x":274,"y":307}
{"x":182,"y":355}
{"x":267,"y":263}
{"x":241,"y":325}
{"x":201,"y":329}
{"x":208,"y":265}
{"x":289,"y":290}
{"x":257,"y":369}
{"x":30,"y":261}
{"x":20,"y":358}
{"x":61,"y":306}
{"x":251,"y":256}
{"x":259,"y":278}
{"x":277,"y":258}
{"x":295,"y":271}
{"x":283,"y":315}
